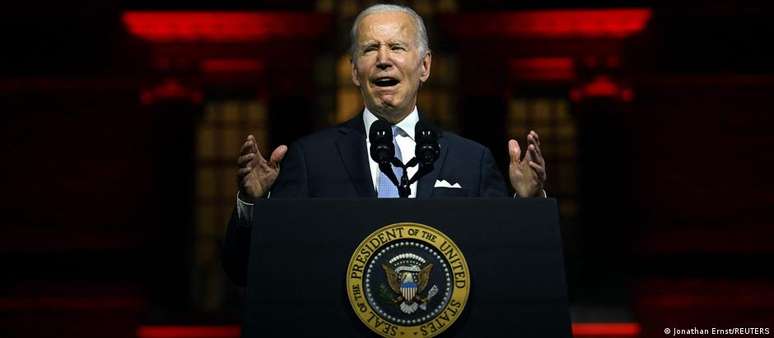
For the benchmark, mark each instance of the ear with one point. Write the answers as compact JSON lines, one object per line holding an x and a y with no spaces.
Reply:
{"x":425,"y":67}
{"x":355,"y":74}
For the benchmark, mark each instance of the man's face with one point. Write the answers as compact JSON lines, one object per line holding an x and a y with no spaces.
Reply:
{"x":387,"y":66}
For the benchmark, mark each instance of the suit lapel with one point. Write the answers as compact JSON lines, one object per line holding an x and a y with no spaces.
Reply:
{"x":426,"y":182}
{"x":352,"y":150}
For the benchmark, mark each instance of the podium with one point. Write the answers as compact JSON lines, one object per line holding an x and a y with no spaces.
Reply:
{"x":300,"y":251}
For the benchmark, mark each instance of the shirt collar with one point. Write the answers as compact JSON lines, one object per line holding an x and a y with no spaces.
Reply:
{"x":407,"y":124}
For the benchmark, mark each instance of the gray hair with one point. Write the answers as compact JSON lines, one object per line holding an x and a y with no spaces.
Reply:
{"x":423,"y":43}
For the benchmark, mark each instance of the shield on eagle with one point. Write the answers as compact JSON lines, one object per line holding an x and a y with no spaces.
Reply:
{"x":408,"y":278}
{"x":407,"y":287}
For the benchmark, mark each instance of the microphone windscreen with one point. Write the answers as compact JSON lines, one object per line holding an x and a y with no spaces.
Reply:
{"x":380,"y":129}
{"x":380,"y":135}
{"x":427,"y":147}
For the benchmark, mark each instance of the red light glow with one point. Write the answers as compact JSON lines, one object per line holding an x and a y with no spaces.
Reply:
{"x":170,"y":89}
{"x":605,"y":329}
{"x":180,"y":26}
{"x":230,"y":331}
{"x":543,"y":68}
{"x":233,"y":331}
{"x":565,"y":23}
{"x":231,"y":66}
{"x":602,"y":86}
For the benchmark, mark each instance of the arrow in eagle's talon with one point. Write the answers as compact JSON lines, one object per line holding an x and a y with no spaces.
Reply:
{"x":433,"y":291}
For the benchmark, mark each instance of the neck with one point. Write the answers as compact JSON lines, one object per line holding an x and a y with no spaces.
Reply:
{"x":393,"y":117}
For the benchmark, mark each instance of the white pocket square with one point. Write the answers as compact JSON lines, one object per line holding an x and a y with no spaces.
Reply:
{"x":444,"y":184}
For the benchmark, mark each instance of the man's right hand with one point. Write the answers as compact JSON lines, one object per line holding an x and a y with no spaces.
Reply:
{"x":256,"y":175}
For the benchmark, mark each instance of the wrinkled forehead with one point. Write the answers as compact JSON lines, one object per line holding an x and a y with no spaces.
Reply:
{"x":387,"y":26}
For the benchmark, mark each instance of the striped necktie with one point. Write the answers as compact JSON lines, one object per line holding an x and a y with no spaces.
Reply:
{"x":386,"y":188}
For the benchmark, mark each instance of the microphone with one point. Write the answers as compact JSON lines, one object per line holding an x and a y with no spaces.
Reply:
{"x":382,"y":149}
{"x":427,"y":148}
{"x":383,"y":152}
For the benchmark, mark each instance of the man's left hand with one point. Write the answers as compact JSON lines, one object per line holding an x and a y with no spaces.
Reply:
{"x":528,"y":175}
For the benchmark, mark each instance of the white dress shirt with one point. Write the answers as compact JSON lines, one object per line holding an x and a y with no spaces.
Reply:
{"x":405,"y":140}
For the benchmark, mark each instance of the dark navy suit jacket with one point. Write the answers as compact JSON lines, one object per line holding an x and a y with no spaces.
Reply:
{"x":333,"y":163}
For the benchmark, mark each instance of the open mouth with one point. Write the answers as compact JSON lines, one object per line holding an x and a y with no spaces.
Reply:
{"x":385,"y":82}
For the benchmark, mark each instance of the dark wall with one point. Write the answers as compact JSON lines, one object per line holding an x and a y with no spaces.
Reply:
{"x":76,"y":203}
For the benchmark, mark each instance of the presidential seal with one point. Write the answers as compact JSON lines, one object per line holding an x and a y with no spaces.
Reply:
{"x":408,"y":280}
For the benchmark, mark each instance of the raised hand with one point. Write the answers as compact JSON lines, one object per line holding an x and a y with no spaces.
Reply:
{"x":527,"y":175}
{"x":256,"y":175}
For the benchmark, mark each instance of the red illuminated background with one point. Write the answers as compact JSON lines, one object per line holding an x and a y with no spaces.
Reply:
{"x":121,"y":120}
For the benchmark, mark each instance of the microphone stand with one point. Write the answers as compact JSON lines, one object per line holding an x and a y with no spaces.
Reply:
{"x":404,"y":186}
{"x":382,"y":151}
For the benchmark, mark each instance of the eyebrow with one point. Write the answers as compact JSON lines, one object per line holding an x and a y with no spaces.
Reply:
{"x":369,"y":44}
{"x":376,"y":43}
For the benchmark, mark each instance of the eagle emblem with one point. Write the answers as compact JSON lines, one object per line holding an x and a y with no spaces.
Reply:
{"x":400,"y":281}
{"x":408,"y":275}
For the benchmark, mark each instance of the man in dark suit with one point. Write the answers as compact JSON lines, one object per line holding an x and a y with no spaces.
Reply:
{"x":390,"y":60}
